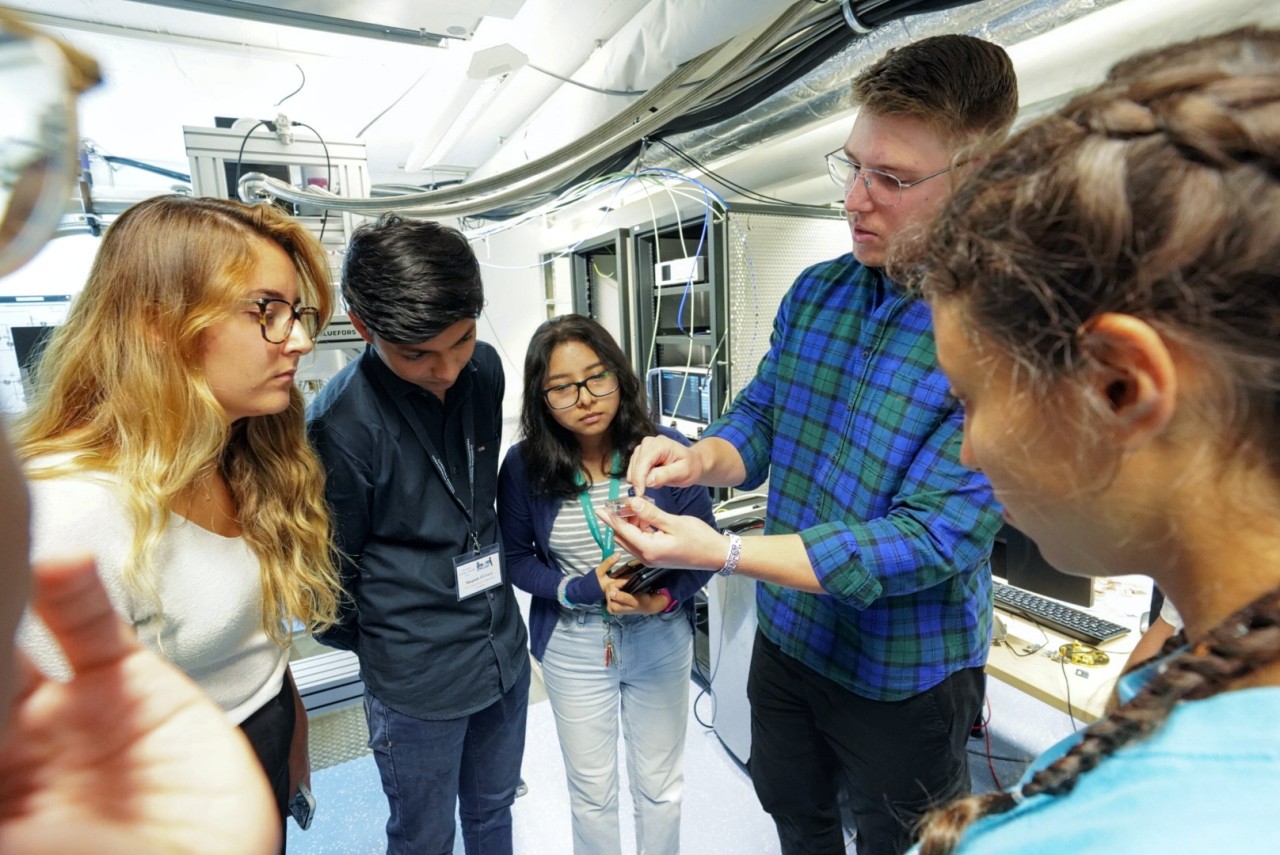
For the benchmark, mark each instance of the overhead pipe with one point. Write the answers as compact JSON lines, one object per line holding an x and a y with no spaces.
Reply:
{"x":646,"y":116}
{"x":824,"y":94}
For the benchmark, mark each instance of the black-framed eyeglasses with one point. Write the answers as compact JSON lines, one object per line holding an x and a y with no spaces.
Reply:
{"x":565,"y":395}
{"x":883,"y":188}
{"x":276,"y":317}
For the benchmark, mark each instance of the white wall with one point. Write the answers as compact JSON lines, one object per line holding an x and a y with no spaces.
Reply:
{"x":514,"y":306}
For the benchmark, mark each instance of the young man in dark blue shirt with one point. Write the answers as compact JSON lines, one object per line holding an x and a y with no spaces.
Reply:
{"x":409,"y":435}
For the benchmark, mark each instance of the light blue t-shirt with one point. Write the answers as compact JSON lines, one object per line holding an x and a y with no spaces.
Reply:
{"x":1208,"y":780}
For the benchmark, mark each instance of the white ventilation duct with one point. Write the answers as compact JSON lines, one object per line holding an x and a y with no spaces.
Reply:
{"x":1059,"y":47}
{"x":663,"y":36}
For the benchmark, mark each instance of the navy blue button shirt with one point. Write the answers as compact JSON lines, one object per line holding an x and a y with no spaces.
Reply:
{"x":422,"y":651}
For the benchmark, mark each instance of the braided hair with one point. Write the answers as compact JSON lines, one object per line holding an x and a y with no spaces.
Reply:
{"x":1156,"y":195}
{"x":1247,"y":640}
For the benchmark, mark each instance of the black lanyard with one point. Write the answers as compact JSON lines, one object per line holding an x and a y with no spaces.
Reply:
{"x":469,"y":424}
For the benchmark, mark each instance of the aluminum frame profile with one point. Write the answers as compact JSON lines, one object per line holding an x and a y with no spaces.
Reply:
{"x":306,"y":20}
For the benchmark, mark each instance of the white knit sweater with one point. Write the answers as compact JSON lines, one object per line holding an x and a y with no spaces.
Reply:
{"x":210,"y":586}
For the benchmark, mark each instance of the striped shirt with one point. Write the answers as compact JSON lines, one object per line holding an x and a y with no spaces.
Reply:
{"x":852,"y":423}
{"x":575,"y":549}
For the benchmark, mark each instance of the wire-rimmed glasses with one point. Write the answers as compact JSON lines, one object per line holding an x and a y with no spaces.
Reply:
{"x":276,"y":317}
{"x":565,"y":395}
{"x":883,"y":188}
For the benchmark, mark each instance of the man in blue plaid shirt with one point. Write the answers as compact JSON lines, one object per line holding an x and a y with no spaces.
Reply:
{"x":875,"y":598}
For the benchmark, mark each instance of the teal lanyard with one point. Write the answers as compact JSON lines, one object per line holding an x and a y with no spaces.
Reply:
{"x":604,"y":539}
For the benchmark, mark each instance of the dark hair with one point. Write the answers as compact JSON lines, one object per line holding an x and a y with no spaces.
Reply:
{"x":551,"y":453}
{"x":962,"y":86}
{"x":410,"y":280}
{"x":1155,"y":195}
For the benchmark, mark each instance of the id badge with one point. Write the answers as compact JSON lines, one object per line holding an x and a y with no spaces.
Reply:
{"x":478,"y":571}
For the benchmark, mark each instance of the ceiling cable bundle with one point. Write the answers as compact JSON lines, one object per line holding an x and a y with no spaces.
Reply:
{"x":619,"y":138}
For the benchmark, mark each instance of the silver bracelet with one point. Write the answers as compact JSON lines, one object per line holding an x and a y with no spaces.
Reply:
{"x":731,"y":560}
{"x":562,"y":593}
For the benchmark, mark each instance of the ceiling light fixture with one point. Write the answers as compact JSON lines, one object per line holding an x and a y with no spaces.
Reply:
{"x":489,"y":70}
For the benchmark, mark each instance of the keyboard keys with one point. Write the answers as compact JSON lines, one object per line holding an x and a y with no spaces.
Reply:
{"x":1064,"y":619}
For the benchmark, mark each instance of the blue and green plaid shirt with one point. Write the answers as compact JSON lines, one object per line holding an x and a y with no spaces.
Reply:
{"x":851,"y":420}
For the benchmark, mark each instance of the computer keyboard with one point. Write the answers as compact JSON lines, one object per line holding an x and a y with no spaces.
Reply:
{"x":1063,"y":619}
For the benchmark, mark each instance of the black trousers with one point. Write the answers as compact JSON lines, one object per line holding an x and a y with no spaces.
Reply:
{"x":270,"y":732}
{"x":896,"y":759}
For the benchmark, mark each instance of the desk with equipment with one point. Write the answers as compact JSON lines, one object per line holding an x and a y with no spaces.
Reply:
{"x":1068,"y":656}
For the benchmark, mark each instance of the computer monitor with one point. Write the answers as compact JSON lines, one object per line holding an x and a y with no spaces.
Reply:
{"x":1016,"y":558}
{"x":28,"y":343}
{"x":681,"y":398}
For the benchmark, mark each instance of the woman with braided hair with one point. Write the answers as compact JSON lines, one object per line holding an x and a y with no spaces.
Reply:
{"x":1106,"y":296}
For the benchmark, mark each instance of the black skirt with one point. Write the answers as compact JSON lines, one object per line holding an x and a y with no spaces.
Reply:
{"x":270,"y":732}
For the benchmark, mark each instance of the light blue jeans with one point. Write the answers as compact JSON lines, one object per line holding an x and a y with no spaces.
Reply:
{"x":649,"y":680}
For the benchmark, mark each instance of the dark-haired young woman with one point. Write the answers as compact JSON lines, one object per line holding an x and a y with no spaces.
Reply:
{"x":603,"y":651}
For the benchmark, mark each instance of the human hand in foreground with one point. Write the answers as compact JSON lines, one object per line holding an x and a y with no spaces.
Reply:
{"x":659,"y":461}
{"x":622,"y":603}
{"x":129,"y":756}
{"x":602,"y":571}
{"x":660,"y":539}
{"x":619,"y":602}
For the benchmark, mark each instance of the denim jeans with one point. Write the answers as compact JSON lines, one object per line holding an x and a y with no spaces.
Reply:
{"x":429,"y":767}
{"x":649,"y":680}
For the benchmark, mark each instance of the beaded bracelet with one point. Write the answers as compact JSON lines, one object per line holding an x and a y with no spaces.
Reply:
{"x":562,"y":593}
{"x":735,"y":553}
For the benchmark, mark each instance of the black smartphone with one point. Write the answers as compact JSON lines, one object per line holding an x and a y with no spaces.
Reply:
{"x":647,"y":580}
{"x":624,"y":569}
{"x":303,"y":806}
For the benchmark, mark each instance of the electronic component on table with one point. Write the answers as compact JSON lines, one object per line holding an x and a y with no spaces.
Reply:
{"x":1063,"y":619}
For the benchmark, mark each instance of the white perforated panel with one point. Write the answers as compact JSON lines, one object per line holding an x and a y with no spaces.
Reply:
{"x":766,"y":252}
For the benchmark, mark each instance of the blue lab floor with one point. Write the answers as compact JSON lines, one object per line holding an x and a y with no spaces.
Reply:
{"x":719,"y":804}
{"x":721,"y":814}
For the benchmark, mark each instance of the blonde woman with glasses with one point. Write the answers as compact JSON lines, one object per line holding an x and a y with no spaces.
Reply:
{"x":166,"y":439}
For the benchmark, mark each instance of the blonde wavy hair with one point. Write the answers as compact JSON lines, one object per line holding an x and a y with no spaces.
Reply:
{"x":121,"y":391}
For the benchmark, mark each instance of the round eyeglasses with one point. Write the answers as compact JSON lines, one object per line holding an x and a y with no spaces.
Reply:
{"x":565,"y":395}
{"x":276,"y":317}
{"x":883,"y":188}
